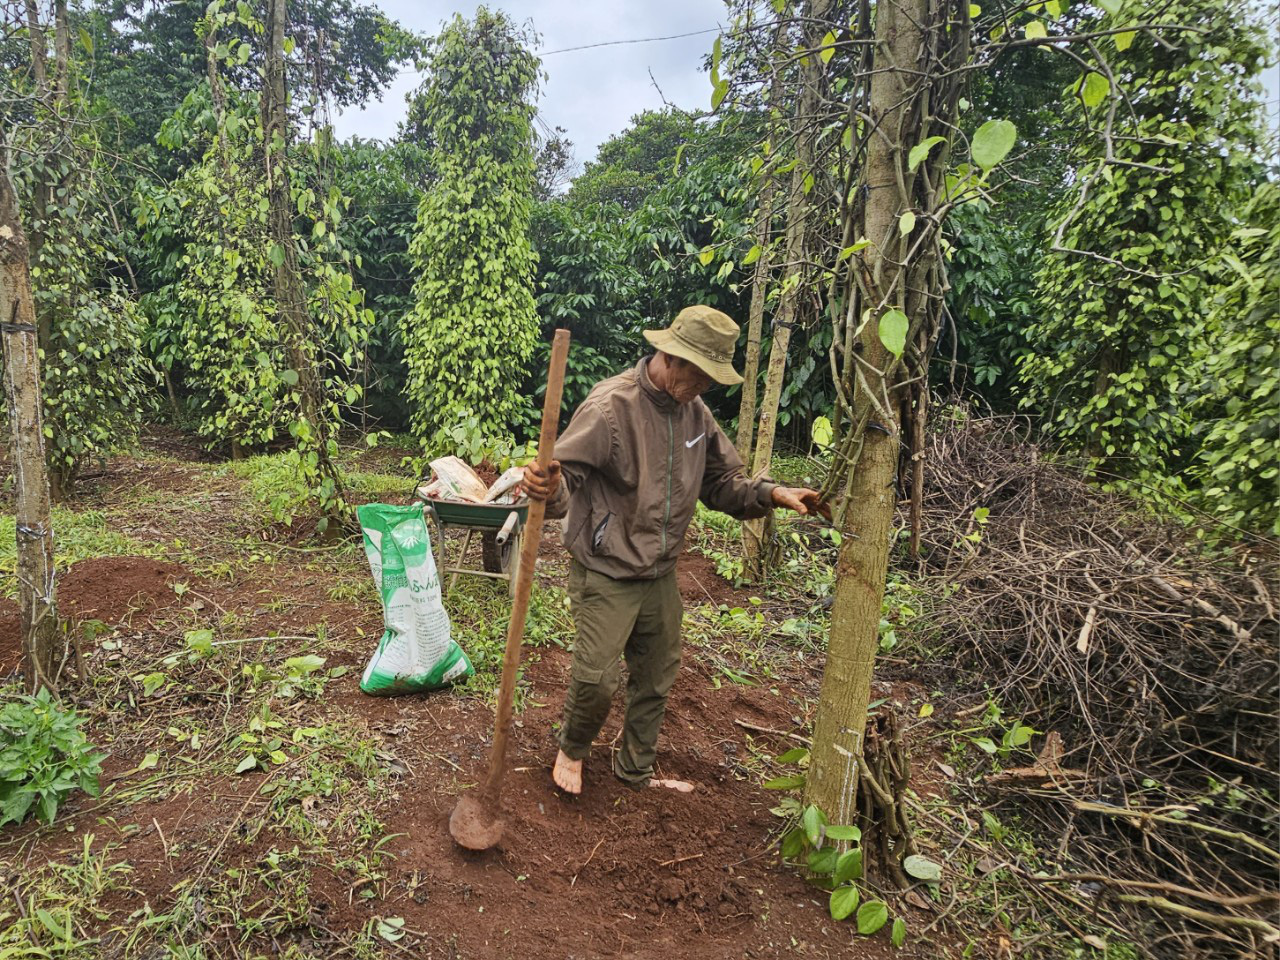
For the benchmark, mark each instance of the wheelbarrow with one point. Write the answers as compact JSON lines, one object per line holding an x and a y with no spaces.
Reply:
{"x":508,"y":519}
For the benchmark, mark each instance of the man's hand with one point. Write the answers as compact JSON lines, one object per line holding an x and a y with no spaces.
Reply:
{"x":541,"y":484}
{"x":800,"y":499}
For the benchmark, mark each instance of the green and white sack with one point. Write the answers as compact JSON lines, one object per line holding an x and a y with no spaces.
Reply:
{"x":417,"y":651}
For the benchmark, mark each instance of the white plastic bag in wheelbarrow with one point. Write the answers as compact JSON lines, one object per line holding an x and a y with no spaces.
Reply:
{"x":417,"y":650}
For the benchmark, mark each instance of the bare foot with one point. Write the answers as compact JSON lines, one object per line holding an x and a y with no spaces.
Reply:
{"x":680,"y":786}
{"x":567,"y":774}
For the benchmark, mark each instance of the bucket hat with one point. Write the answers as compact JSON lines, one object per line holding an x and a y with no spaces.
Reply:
{"x":705,"y":337}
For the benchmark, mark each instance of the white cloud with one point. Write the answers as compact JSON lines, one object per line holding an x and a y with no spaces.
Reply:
{"x":592,"y":93}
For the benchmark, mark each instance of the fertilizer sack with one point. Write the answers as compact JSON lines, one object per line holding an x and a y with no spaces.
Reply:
{"x":417,"y":650}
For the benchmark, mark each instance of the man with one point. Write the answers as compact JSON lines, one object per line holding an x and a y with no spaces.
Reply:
{"x":639,"y":453}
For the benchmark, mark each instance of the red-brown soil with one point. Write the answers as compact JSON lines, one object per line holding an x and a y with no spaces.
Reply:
{"x":699,"y":583}
{"x":109,"y":589}
{"x":648,"y":874}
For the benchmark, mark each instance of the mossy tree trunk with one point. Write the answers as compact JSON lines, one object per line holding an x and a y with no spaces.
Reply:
{"x":23,"y":403}
{"x":899,"y":271}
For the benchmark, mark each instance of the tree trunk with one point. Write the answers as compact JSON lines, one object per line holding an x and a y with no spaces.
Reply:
{"x":24,"y":404}
{"x":755,"y":323}
{"x":61,"y":56}
{"x":834,"y":768}
{"x":312,"y":430}
{"x":758,"y":546}
{"x":760,"y":277}
{"x":40,"y":188}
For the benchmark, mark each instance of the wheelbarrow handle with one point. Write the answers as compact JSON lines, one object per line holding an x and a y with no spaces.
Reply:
{"x":507,"y":529}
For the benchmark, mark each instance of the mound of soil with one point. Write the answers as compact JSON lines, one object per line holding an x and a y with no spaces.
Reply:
{"x":110,"y":589}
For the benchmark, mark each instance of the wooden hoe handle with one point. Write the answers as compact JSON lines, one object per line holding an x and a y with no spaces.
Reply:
{"x":524,"y":577}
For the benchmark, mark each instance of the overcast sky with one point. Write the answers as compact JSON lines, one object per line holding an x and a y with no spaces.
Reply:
{"x":594,"y":93}
{"x":591,"y":93}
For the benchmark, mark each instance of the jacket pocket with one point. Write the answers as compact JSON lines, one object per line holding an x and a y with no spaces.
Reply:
{"x":599,"y":532}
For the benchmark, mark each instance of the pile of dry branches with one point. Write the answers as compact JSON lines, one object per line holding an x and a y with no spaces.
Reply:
{"x":1154,"y":664}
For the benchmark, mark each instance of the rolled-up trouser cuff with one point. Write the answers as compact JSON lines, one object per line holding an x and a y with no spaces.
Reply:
{"x":630,"y":779}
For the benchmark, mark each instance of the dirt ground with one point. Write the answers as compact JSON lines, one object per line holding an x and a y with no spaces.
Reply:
{"x":617,"y":872}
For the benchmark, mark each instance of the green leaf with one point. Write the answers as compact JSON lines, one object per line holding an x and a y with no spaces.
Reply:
{"x":893,"y":331}
{"x":675,"y":166}
{"x":391,"y":929}
{"x":790,"y":782}
{"x":149,"y":761}
{"x":992,"y":142}
{"x":921,"y":150}
{"x":823,"y":861}
{"x":46,"y":918}
{"x":1094,"y":89}
{"x":872,"y":915}
{"x":718,"y":93}
{"x":853,"y":248}
{"x":1124,"y":40}
{"x":985,"y":743}
{"x":975,"y":11}
{"x":922,"y":868}
{"x":1110,"y":6}
{"x":248,"y":763}
{"x":848,"y":867}
{"x":813,"y":821}
{"x":822,"y":434}
{"x":86,"y":41}
{"x":706,"y":255}
{"x":794,"y":755}
{"x":899,"y":934}
{"x":290,"y":377}
{"x":276,"y":255}
{"x":906,"y":223}
{"x":792,"y":844}
{"x":828,"y":47}
{"x":843,"y":831}
{"x":1035,"y":30}
{"x":844,"y":900}
{"x":752,"y":256}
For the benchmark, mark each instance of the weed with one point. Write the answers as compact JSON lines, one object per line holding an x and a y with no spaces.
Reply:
{"x":832,"y":855}
{"x":44,"y":757}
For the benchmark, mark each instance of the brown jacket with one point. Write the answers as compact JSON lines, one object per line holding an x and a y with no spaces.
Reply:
{"x":634,"y":465}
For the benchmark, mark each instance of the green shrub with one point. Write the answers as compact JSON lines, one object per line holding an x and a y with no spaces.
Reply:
{"x":44,"y":756}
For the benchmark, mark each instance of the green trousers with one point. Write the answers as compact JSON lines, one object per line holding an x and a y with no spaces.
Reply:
{"x":638,"y":619}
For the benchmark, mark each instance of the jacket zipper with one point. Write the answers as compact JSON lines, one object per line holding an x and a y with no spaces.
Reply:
{"x":671,"y":448}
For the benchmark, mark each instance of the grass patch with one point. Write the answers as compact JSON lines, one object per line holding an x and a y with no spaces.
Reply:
{"x":481,"y":612}
{"x":274,"y":484}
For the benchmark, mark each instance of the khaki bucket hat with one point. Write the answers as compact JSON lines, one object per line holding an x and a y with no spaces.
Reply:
{"x":705,"y":337}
